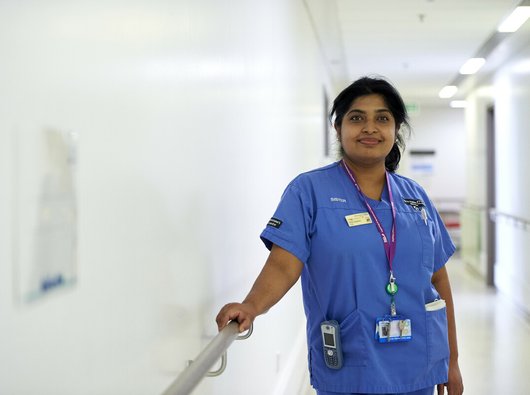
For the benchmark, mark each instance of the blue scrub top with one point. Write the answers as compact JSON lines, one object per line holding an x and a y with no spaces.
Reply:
{"x":345,"y":274}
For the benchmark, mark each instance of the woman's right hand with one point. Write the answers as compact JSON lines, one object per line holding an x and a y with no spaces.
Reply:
{"x":243,"y":313}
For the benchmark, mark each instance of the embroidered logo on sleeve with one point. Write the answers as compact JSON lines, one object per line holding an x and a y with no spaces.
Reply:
{"x":275,"y":223}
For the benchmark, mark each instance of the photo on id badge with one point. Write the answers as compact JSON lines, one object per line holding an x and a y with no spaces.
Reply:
{"x":393,"y":329}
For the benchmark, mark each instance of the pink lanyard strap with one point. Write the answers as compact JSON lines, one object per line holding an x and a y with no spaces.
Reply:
{"x":390,"y":245}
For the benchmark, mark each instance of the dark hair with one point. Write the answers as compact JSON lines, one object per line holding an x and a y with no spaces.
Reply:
{"x":367,"y":86}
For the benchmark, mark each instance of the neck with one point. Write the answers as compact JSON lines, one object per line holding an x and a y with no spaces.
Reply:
{"x":371,"y":179}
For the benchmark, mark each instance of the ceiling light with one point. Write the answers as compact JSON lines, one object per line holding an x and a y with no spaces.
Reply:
{"x":515,"y":20}
{"x":472,"y":66}
{"x":448,"y":91}
{"x":458,"y":104}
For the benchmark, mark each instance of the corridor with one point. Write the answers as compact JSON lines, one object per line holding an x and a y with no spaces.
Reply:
{"x":494,"y":337}
{"x":145,"y":145}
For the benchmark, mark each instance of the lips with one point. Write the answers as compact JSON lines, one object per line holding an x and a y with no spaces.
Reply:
{"x":369,"y":141}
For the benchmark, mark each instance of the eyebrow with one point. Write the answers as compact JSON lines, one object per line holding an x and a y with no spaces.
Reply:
{"x":364,"y":112}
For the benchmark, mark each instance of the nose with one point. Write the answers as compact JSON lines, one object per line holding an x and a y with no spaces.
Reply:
{"x":369,"y":127}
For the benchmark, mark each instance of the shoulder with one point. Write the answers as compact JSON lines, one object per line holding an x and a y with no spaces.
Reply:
{"x":405,"y":185}
{"x":411,"y":193}
{"x":316,"y":176}
{"x":408,"y":193}
{"x":317,"y":185}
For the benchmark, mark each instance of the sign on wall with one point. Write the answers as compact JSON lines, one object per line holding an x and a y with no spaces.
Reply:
{"x":45,"y":212}
{"x":421,"y":166}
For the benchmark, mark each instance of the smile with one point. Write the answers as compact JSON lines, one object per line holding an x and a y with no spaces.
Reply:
{"x":369,"y":141}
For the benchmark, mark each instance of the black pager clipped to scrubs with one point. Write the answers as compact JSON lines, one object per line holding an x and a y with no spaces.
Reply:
{"x":332,"y":345}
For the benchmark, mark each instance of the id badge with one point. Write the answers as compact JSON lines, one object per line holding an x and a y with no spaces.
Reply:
{"x":392,"y":329}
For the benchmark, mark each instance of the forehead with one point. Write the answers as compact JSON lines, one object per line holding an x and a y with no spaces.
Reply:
{"x":369,"y":102}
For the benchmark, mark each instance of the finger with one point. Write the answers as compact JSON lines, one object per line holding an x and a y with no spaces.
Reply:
{"x":244,"y":324}
{"x":230,"y":312}
{"x":221,"y":323}
{"x":440,"y":389}
{"x":455,"y":389}
{"x":220,"y":319}
{"x":224,"y":316}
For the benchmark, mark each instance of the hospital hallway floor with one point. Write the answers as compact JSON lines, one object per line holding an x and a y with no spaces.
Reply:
{"x":493,"y":337}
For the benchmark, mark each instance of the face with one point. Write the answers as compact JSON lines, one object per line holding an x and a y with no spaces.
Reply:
{"x":367,"y":132}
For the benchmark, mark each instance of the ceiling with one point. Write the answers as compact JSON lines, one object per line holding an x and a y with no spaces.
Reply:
{"x":418,"y":44}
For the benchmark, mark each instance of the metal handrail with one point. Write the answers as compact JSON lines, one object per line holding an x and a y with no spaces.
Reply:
{"x":197,"y":369}
{"x":494,"y":214}
{"x":474,"y":207}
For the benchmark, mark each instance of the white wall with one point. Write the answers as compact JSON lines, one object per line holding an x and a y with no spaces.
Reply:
{"x":475,"y":215}
{"x":508,"y":90}
{"x":512,"y":101}
{"x":192,"y":116}
{"x":441,"y":129}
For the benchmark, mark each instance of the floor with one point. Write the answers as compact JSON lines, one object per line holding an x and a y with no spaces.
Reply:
{"x":493,"y":337}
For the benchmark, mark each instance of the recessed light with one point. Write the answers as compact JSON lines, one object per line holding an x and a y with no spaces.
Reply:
{"x":472,"y":66}
{"x":458,"y":104}
{"x":448,"y":91}
{"x":515,"y":20}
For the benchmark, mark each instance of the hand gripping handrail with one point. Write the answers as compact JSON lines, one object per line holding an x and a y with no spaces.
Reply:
{"x":195,"y":372}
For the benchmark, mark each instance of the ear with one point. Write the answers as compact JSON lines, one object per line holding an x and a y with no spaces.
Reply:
{"x":337,"y":129}
{"x":396,"y":133}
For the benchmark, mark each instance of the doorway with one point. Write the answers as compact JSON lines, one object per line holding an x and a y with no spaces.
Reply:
{"x":490,"y":197}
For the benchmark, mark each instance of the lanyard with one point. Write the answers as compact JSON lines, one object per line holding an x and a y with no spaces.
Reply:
{"x":389,"y":244}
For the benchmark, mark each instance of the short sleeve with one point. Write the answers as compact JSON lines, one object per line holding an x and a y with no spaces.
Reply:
{"x":290,"y":226}
{"x":444,"y":247}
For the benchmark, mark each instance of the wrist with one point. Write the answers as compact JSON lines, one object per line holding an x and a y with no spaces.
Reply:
{"x":251,"y":307}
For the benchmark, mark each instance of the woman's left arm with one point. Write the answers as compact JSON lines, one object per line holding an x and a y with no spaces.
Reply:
{"x":455,"y":386}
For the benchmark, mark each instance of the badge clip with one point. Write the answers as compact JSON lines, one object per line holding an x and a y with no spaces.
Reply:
{"x":391,"y":287}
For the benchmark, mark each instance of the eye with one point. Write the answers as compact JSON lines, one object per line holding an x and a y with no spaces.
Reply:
{"x":356,"y":118}
{"x":383,"y":118}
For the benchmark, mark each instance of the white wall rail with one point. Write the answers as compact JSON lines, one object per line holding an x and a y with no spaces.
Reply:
{"x":517,"y":221}
{"x":198,"y":368}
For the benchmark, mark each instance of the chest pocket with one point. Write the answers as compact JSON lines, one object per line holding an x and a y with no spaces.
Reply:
{"x":427,"y":234}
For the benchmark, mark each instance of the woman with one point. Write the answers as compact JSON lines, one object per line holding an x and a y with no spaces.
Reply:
{"x":371,"y":250}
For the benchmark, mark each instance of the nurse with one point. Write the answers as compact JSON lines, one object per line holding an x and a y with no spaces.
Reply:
{"x":371,"y":250}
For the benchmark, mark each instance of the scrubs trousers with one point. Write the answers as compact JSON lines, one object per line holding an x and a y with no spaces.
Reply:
{"x":425,"y":391}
